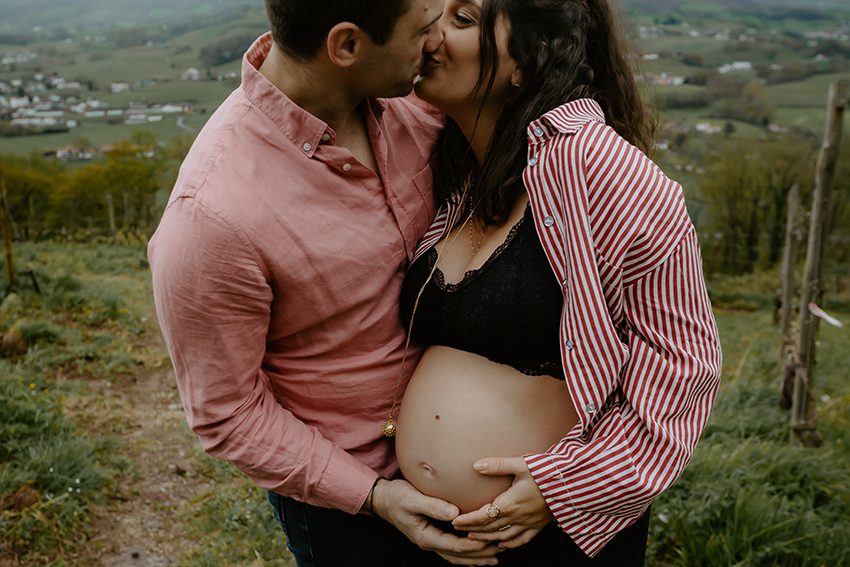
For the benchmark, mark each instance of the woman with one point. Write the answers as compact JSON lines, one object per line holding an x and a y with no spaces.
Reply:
{"x":574,"y":356}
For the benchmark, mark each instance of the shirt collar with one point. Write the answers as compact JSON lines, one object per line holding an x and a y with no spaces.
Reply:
{"x":301,"y":128}
{"x":568,"y":118}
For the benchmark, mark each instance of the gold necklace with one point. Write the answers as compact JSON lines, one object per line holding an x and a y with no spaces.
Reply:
{"x":472,"y":244}
{"x":391,"y":424}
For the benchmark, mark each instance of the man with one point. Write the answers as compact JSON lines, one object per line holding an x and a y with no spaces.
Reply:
{"x":276,"y":271}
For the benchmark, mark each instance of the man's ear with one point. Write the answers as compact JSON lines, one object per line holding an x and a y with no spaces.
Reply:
{"x":344,"y":42}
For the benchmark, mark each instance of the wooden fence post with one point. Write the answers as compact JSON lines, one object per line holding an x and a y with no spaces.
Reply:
{"x":803,"y":419}
{"x":793,"y":238}
{"x":126,"y":210}
{"x":110,"y":212}
{"x":6,"y":226}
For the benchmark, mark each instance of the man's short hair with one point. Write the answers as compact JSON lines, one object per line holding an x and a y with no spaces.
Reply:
{"x":300,"y":27}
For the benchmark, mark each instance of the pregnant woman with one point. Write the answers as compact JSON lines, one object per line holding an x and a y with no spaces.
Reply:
{"x":573,"y":357}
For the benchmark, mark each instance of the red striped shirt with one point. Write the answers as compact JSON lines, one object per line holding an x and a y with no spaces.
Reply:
{"x":639,"y":342}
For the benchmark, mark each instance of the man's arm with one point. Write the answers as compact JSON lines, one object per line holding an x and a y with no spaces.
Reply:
{"x":214,"y":306}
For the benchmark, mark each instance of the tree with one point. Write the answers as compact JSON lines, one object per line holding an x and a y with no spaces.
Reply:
{"x":737,"y":97}
{"x":28,"y":189}
{"x":745,"y":189}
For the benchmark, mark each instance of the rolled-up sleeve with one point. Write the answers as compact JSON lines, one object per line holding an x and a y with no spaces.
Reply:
{"x":213,"y":301}
{"x":599,"y":485}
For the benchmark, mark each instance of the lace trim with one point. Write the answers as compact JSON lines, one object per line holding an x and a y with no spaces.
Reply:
{"x":553,"y":369}
{"x":440,"y":279}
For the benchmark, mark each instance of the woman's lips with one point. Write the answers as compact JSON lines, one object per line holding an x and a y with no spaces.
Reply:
{"x":430,"y":64}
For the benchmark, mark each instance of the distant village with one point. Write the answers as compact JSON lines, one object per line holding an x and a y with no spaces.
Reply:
{"x":49,"y":103}
{"x":750,"y":36}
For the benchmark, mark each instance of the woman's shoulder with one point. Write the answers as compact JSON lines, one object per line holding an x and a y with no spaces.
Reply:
{"x":573,"y":116}
{"x":579,"y":127}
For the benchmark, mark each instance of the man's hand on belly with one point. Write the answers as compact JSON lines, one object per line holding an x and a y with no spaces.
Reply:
{"x":410,"y":511}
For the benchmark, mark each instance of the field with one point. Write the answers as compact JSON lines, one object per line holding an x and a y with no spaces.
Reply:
{"x":153,"y":70}
{"x":46,"y":14}
{"x":98,"y":464}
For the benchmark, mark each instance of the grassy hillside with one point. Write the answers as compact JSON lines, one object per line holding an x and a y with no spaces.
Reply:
{"x":96,"y":461}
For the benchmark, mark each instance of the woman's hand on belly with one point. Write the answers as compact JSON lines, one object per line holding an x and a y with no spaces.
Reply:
{"x":522,"y":511}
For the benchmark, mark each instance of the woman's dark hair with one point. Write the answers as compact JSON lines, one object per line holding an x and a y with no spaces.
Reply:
{"x":566,"y":50}
{"x":300,"y":27}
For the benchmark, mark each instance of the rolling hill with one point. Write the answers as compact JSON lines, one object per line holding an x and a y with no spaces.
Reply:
{"x":21,"y":15}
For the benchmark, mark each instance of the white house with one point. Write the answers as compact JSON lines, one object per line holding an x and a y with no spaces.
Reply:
{"x":191,"y":74}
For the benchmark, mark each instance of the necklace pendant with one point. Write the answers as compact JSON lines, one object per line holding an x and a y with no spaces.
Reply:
{"x":390,"y":427}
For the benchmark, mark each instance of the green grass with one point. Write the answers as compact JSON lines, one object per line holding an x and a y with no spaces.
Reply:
{"x":231,"y":523}
{"x":85,"y":326}
{"x":208,"y":94}
{"x":253,"y":21}
{"x":128,"y":65}
{"x":749,"y":497}
{"x":92,"y":325}
{"x":811,"y":92}
{"x":803,"y":103}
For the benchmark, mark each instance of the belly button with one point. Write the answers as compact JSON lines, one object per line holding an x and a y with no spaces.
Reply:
{"x":437,"y":417}
{"x":427,"y":468}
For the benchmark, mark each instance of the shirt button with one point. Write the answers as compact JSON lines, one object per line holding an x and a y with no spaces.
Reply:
{"x":548,"y":221}
{"x":569,"y":344}
{"x":307,"y":146}
{"x":346,"y":167}
{"x":326,"y":137}
{"x":591,"y":408}
{"x":538,"y":132}
{"x":533,"y":161}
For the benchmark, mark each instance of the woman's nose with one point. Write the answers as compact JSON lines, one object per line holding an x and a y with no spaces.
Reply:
{"x":435,"y":38}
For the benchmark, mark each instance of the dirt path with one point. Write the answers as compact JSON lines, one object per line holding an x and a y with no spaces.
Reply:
{"x":143,"y":529}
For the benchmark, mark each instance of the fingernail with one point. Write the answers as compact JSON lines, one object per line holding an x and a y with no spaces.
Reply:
{"x":480,"y":466}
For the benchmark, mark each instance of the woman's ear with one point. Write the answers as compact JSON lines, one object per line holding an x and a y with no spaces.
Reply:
{"x":343,"y":44}
{"x":516,"y":78}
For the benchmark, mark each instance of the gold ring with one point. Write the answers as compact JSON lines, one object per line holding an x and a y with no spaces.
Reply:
{"x":503,"y":528}
{"x":493,"y":511}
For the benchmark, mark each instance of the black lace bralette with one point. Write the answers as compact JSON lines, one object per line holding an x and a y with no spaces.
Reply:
{"x":508,"y":310}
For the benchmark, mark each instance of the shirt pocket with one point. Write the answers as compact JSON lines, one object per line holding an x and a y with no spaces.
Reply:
{"x":424,"y":184}
{"x":420,"y":208}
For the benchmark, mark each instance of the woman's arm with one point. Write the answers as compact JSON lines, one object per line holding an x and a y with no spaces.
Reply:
{"x":598,"y":486}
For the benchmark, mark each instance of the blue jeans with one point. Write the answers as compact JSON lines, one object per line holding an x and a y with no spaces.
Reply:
{"x":322,"y":537}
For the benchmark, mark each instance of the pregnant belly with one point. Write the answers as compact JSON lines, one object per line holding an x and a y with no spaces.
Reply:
{"x":460,"y":407}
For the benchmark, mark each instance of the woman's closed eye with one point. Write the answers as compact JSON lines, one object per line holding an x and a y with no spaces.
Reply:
{"x":462,"y":19}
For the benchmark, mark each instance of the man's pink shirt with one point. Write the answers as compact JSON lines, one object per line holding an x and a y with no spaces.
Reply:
{"x":276,"y":272}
